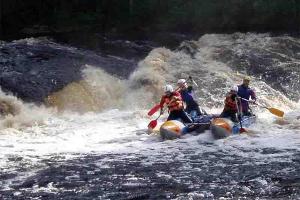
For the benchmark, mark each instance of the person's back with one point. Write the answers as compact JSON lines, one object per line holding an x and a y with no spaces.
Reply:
{"x":231,"y":107}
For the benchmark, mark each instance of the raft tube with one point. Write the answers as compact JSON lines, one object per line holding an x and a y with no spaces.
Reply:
{"x":174,"y":129}
{"x":224,"y":127}
{"x":171,"y":129}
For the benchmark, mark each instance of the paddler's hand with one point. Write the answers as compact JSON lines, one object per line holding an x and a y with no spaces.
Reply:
{"x":252,"y":101}
{"x":190,"y":88}
{"x":239,"y":116}
{"x":161,"y":111}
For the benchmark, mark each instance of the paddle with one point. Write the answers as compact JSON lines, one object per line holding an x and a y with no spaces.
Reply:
{"x":154,"y":109}
{"x":242,"y":130}
{"x":193,"y":81}
{"x":153,"y":123}
{"x":200,"y":109}
{"x":274,"y":111}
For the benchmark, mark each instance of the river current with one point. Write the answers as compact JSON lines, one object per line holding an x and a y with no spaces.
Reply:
{"x":86,"y":138}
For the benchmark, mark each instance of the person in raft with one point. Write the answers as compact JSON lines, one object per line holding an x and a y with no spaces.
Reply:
{"x":186,"y":93}
{"x":245,"y":93}
{"x":232,"y":105}
{"x":175,"y":105}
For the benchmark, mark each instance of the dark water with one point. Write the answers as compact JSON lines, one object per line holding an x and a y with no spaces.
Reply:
{"x":182,"y":174}
{"x":266,"y":166}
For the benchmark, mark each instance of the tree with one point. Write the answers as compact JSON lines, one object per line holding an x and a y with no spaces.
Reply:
{"x":1,"y":19}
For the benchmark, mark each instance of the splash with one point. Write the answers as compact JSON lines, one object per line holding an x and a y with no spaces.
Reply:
{"x":18,"y":115}
{"x":147,"y":81}
{"x":209,"y":61}
{"x":71,"y":148}
{"x":214,"y":75}
{"x":215,"y":61}
{"x":100,"y":91}
{"x":97,"y":91}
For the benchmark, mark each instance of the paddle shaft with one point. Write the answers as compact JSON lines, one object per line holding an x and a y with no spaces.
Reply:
{"x":195,"y":95}
{"x":250,"y":101}
{"x":274,"y":111}
{"x":193,"y":81}
{"x":254,"y":103}
{"x":239,"y":113}
{"x":158,"y":116}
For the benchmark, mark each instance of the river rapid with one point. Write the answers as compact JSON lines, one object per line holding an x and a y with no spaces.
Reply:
{"x":80,"y":131}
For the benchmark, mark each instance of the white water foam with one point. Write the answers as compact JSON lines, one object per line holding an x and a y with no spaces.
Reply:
{"x":123,"y":130}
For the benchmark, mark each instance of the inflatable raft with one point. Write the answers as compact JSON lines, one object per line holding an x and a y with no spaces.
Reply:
{"x":223,"y":127}
{"x":173,"y":129}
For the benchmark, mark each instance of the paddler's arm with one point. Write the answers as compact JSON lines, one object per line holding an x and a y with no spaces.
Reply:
{"x":253,"y":96}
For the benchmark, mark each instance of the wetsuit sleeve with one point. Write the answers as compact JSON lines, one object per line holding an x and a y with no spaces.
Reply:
{"x":191,"y":95}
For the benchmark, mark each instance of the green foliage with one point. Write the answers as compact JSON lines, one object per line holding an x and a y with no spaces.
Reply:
{"x":179,"y":15}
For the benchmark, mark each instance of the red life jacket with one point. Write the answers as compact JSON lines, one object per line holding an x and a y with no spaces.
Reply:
{"x":174,"y":102}
{"x":230,"y":104}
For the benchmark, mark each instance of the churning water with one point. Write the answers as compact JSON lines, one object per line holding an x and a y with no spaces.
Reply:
{"x":91,"y":142}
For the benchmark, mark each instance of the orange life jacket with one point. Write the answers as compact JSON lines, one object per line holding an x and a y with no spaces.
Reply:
{"x":174,"y":102}
{"x":230,"y":104}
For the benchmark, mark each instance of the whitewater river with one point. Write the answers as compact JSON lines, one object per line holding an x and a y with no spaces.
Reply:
{"x":102,"y":150}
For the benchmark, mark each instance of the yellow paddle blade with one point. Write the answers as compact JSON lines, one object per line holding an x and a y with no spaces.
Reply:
{"x":276,"y":111}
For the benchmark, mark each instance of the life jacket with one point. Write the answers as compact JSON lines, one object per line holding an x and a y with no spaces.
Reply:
{"x":230,"y":103}
{"x":174,"y":102}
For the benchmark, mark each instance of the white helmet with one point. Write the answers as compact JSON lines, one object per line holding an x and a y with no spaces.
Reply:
{"x":168,"y":88}
{"x":181,"y":81}
{"x":234,"y":88}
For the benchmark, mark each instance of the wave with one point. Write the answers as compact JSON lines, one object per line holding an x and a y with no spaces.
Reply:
{"x":17,"y":114}
{"x":215,"y":61}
